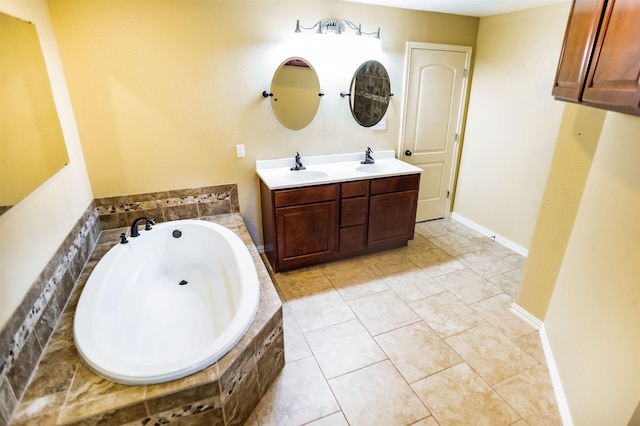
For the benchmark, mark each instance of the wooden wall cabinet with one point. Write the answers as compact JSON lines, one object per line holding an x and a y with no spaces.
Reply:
{"x":600,"y":59}
{"x":315,"y":224}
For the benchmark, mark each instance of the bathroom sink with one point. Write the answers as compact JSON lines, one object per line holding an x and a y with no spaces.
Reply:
{"x":375,"y":168}
{"x":305,"y":175}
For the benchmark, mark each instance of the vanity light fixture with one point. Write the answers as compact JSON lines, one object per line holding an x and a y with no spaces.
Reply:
{"x":337,"y":26}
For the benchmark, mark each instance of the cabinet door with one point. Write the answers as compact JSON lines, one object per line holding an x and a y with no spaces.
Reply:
{"x":392,"y":218}
{"x":306,"y":234}
{"x":577,"y":49}
{"x":613,"y":78}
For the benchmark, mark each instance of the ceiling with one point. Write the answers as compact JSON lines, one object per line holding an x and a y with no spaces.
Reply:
{"x":464,"y":7}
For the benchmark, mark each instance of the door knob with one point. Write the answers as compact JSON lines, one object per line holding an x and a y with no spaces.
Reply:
{"x":408,"y":153}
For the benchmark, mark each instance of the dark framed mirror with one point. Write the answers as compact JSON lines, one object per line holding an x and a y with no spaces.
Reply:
{"x":295,"y":93}
{"x":370,"y":92}
{"x":32,"y":147}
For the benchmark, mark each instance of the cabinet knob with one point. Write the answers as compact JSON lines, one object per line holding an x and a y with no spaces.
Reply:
{"x":408,"y":153}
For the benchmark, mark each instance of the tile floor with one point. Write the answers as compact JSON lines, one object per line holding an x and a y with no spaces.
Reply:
{"x":421,"y":335}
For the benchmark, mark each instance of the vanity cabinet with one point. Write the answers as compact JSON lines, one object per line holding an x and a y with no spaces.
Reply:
{"x":300,"y":225}
{"x":600,"y":60}
{"x":315,"y":224}
{"x":392,"y":210}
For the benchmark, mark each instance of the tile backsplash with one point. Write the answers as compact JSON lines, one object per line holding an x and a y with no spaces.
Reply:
{"x":116,"y":212}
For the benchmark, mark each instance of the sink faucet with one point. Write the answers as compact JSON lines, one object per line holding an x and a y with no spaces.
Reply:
{"x":368,"y":159}
{"x":298,"y":165}
{"x":147,"y":227}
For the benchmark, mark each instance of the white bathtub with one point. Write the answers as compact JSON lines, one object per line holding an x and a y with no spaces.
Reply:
{"x":160,"y":308}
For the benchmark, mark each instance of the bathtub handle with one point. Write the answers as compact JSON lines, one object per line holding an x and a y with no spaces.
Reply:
{"x":147,"y":226}
{"x":123,"y":238}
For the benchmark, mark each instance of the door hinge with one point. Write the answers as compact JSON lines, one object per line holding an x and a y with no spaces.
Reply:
{"x":464,"y":73}
{"x":448,"y":193}
{"x":455,"y":139}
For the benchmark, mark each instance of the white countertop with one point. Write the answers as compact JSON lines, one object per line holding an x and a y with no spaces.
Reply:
{"x":321,"y":169}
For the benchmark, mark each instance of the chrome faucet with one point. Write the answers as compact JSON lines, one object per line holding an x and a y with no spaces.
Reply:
{"x":368,"y":159}
{"x":298,"y":165}
{"x":147,"y":227}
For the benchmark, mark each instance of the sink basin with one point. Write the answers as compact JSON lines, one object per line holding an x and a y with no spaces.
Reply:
{"x":375,"y":168}
{"x":305,"y":175}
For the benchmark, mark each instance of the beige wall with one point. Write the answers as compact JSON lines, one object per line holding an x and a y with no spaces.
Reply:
{"x":513,"y":121}
{"x":577,"y":141}
{"x":164,"y":90}
{"x":34,"y":228}
{"x":593,"y":320}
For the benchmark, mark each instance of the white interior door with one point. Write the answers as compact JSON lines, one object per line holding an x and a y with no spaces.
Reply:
{"x":435,"y":96}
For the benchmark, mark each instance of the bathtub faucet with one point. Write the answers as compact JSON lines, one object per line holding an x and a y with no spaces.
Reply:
{"x":147,"y":226}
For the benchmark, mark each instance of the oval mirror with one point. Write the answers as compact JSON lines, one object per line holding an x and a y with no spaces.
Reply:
{"x":295,"y":93}
{"x":370,"y":91}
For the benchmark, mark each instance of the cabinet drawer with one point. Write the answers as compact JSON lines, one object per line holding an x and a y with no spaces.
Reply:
{"x":355,"y":189}
{"x":307,"y":195}
{"x":394,"y":184}
{"x":354,"y":211}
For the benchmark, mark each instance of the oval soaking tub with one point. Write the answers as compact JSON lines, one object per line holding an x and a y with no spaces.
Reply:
{"x":166,"y":304}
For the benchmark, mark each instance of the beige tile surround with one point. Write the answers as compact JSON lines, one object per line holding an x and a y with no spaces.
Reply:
{"x":421,"y":335}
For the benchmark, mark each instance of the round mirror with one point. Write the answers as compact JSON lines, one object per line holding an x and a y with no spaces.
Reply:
{"x":295,"y":93}
{"x":370,"y":91}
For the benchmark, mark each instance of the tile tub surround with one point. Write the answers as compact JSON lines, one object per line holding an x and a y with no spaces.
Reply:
{"x":24,"y":337}
{"x":64,"y":391}
{"x":116,"y":212}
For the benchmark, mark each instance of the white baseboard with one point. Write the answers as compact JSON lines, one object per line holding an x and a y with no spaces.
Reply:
{"x":526,"y":316}
{"x":561,"y":399}
{"x":484,"y":231}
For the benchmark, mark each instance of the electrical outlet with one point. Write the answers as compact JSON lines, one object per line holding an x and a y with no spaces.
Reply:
{"x":240,"y":150}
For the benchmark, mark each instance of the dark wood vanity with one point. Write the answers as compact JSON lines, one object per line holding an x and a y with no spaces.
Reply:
{"x":309,"y":225}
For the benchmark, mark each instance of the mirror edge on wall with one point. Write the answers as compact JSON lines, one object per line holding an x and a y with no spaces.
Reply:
{"x":32,"y":146}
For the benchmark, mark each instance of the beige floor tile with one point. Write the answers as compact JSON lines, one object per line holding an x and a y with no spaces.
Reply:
{"x":320,"y":310}
{"x":458,"y":396}
{"x":509,"y":282}
{"x":470,"y":234}
{"x":382,"y":312}
{"x":485,"y":263}
{"x":531,"y":394}
{"x":335,"y":419}
{"x":358,"y":281}
{"x":436,"y":262}
{"x":497,"y":311}
{"x":454,"y":244}
{"x":413,"y":284}
{"x":468,"y":286}
{"x":299,"y":395}
{"x":417,"y":351}
{"x":496,"y":248}
{"x":429,"y":421}
{"x":295,"y":345}
{"x":418,"y":244}
{"x":306,"y":283}
{"x":516,"y":260}
{"x":344,"y":347}
{"x":377,"y":395}
{"x":389,"y":262}
{"x":432,"y":228}
{"x":532,"y":345}
{"x":491,"y":354}
{"x":446,"y":314}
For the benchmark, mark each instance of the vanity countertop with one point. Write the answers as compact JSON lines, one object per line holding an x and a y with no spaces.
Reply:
{"x":321,"y":169}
